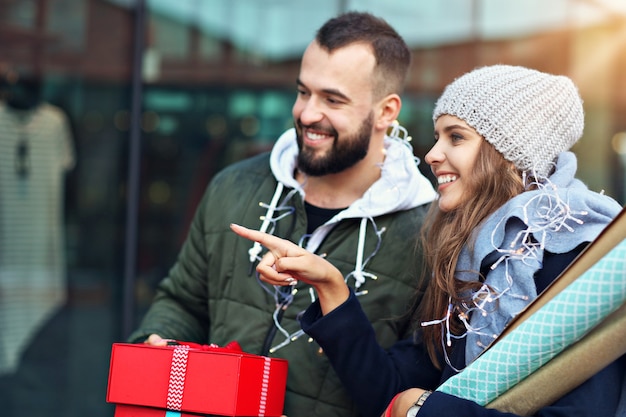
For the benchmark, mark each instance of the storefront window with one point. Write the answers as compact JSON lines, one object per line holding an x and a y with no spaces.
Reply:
{"x":207,"y":83}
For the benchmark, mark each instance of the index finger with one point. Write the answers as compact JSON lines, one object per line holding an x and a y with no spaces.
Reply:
{"x":271,"y":242}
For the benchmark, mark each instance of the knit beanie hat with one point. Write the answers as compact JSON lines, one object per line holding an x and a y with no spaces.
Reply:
{"x":528,"y":116}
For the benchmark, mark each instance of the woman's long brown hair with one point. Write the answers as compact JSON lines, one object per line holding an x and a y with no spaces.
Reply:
{"x":495,"y":181}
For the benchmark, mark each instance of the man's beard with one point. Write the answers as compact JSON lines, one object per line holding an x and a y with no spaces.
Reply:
{"x":344,"y":154}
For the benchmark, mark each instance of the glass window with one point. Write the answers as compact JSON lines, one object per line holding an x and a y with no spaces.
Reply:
{"x":109,"y":135}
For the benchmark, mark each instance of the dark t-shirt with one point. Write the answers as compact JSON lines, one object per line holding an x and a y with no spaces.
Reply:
{"x":317,"y":216}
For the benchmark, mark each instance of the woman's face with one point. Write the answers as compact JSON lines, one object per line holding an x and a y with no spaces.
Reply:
{"x":452,"y":159}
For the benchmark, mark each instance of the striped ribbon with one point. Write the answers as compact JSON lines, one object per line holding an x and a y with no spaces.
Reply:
{"x":264,"y":386}
{"x":178,"y":370}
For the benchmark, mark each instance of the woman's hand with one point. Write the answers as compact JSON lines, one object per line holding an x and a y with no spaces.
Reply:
{"x":286,"y":263}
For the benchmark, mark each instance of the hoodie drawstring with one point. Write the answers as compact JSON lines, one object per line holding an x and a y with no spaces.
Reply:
{"x":256,"y":249}
{"x":359,"y":274}
{"x":358,"y":267}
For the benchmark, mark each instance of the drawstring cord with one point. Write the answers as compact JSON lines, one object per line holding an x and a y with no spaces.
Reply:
{"x":359,"y":276}
{"x":283,"y":296}
{"x":358,"y":273}
{"x":267,"y":219}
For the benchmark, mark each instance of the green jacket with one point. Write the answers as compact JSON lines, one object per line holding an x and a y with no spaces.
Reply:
{"x":212,"y":295}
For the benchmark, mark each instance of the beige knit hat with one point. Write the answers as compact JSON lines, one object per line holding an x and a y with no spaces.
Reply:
{"x":528,"y":116}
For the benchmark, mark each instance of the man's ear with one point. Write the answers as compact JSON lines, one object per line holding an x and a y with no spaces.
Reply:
{"x":388,"y":110}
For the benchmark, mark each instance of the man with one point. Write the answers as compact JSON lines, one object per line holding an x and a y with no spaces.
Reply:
{"x":338,"y":186}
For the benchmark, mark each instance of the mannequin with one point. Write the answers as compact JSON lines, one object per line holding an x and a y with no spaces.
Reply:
{"x":35,"y":152}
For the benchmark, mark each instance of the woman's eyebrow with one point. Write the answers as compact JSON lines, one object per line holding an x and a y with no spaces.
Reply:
{"x":456,"y":126}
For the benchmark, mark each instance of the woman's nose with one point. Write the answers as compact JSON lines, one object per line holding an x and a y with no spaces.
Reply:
{"x":434,"y":155}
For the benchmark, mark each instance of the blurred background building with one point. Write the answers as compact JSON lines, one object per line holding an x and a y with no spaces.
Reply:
{"x":115,"y":114}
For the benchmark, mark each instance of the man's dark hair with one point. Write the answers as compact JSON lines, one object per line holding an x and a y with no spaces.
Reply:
{"x":392,"y":54}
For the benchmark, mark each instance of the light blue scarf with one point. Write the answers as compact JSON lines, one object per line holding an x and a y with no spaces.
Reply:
{"x":559,"y":216}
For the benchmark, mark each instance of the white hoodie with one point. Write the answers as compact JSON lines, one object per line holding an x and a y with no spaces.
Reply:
{"x":401,"y":185}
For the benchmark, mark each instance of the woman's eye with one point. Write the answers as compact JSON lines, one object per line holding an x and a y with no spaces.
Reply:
{"x":456,"y":138}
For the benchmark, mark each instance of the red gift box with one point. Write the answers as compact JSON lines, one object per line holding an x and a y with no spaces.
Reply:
{"x":196,"y":379}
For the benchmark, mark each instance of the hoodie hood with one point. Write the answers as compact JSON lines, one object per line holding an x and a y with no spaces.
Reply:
{"x":401,"y":185}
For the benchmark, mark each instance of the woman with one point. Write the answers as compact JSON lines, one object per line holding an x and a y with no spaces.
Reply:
{"x":510,"y":217}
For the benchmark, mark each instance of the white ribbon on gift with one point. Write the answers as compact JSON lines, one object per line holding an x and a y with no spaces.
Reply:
{"x":176,"y":386}
{"x":178,"y":371}
{"x":264,"y":386}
